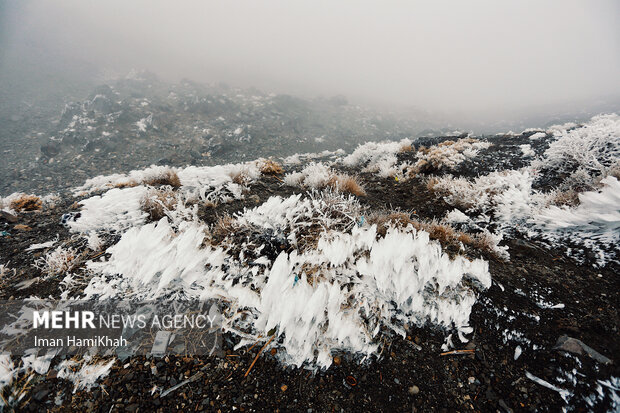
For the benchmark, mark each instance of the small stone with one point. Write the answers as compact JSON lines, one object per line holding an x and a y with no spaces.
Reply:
{"x":41,"y":394}
{"x":284,"y":387}
{"x":396,"y":381}
{"x":413,"y":390}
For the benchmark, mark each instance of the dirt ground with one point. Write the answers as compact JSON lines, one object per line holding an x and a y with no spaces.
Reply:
{"x":537,"y":296}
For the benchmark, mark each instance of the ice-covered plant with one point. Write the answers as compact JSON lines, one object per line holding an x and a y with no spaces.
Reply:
{"x":57,"y":262}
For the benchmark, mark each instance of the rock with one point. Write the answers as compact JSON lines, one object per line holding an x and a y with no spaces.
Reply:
{"x":413,"y":390}
{"x":504,"y":406}
{"x":572,"y":345}
{"x":50,"y":149}
{"x":132,"y":407}
{"x":41,"y":394}
{"x":5,"y":216}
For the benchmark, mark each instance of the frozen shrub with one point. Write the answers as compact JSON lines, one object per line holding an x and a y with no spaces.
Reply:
{"x":157,"y":202}
{"x":593,"y":148}
{"x":319,"y":176}
{"x":5,"y":273}
{"x":568,"y":198}
{"x":446,"y":155}
{"x":126,"y":184}
{"x":507,"y":194}
{"x":379,"y":158}
{"x":168,"y":177}
{"x":57,"y":262}
{"x":269,"y":167}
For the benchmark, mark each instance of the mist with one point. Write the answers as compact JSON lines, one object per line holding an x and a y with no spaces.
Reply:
{"x":483,"y":60}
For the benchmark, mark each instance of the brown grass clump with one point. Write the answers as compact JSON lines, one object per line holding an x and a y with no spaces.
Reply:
{"x":157,"y":202}
{"x":127,"y":184}
{"x":312,"y":271}
{"x":615,"y":171}
{"x":561,"y":198}
{"x":346,"y":183}
{"x":439,"y":156}
{"x":449,"y":238}
{"x":26,"y":203}
{"x":407,"y":148}
{"x":431,"y":183}
{"x":169,"y":177}
{"x":224,"y":227}
{"x":270,"y":167}
{"x":240,"y":178}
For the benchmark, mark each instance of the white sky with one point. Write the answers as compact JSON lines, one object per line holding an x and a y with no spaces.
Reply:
{"x":467,"y":56}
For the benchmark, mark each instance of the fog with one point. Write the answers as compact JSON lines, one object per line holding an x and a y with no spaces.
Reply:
{"x":484,"y":59}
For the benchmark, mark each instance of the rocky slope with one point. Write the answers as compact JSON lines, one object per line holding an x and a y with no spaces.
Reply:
{"x":470,"y":273}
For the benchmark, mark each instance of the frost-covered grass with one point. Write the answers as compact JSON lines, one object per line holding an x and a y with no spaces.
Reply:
{"x":447,"y":155}
{"x":381,"y":157}
{"x":584,"y":153}
{"x":319,"y":176}
{"x":378,"y":157}
{"x":57,"y":262}
{"x":337,"y":285}
{"x":584,"y":209}
{"x":19,"y":201}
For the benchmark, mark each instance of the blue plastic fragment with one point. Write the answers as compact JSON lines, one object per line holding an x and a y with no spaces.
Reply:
{"x":361,"y":223}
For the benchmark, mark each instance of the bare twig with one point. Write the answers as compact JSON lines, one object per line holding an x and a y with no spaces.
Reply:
{"x":256,"y":358}
{"x":449,"y":353}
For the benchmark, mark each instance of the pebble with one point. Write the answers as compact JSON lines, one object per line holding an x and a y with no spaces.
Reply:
{"x":413,"y":390}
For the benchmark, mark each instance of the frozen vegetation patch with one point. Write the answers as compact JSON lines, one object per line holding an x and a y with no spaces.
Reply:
{"x":336,"y":285}
{"x":583,"y":209}
{"x":378,"y":157}
{"x":447,"y":155}
{"x":319,"y":176}
{"x":381,"y":157}
{"x":584,"y":153}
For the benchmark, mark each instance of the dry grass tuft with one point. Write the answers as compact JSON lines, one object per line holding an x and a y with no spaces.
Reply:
{"x":431,"y":183}
{"x":127,"y":184}
{"x":312,"y":271}
{"x":58,"y":261}
{"x":240,"y":178}
{"x":407,"y":148}
{"x":157,"y":202}
{"x":444,"y":155}
{"x":569,"y":198}
{"x":615,"y":171}
{"x":26,"y":203}
{"x":225,"y":227}
{"x":168,"y":177}
{"x":346,"y":183}
{"x":451,"y":240}
{"x":270,"y":167}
